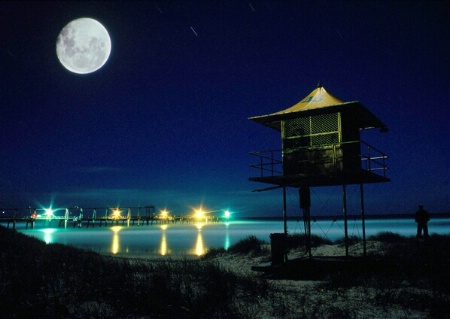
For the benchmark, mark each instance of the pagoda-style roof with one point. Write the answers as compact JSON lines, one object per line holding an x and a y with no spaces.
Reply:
{"x":319,"y":101}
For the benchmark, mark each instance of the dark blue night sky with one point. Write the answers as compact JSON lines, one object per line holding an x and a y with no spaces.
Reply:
{"x":165,"y":121}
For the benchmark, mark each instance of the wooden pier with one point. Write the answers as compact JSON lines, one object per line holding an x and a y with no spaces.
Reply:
{"x":77,"y":217}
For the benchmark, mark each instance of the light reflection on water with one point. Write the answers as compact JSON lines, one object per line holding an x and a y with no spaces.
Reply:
{"x":227,"y":237}
{"x":164,"y":248}
{"x":196,"y":239}
{"x":48,"y":235}
{"x":115,"y":245}
{"x":199,"y":247}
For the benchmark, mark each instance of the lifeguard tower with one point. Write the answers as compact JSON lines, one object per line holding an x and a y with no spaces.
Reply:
{"x":321,"y":146}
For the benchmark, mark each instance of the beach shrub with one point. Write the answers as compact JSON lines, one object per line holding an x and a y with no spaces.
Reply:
{"x":214,"y":252}
{"x":424,"y":262}
{"x":299,"y":240}
{"x":351,"y":240}
{"x":248,"y":245}
{"x":56,"y":281}
{"x":387,"y":237}
{"x":419,"y":263}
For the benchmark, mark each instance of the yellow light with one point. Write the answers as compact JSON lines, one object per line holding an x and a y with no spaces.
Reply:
{"x":199,"y":247}
{"x":164,"y":214}
{"x":199,"y":214}
{"x":163,"y":247}
{"x":199,"y":226}
{"x":116,"y":213}
{"x":115,"y":245}
{"x":116,"y":229}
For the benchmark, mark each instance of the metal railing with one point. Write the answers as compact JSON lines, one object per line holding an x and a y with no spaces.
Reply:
{"x":270,"y":162}
{"x":374,"y":160}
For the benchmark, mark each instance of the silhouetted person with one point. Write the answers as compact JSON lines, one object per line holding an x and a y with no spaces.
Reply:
{"x":422,"y":218}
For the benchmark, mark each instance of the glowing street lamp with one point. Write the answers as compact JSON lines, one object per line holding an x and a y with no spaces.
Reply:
{"x":116,"y":213}
{"x":164,"y":214}
{"x":48,"y":212}
{"x":227,"y":214}
{"x":199,"y":214}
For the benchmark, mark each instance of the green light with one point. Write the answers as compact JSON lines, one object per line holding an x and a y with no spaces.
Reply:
{"x":48,"y":212}
{"x":48,"y":238}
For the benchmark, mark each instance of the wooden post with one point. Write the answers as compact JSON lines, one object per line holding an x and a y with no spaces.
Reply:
{"x":66,"y":218}
{"x":285,"y":222}
{"x":139,"y":215}
{"x":344,"y":210}
{"x":363,"y":218}
{"x":305,"y":205}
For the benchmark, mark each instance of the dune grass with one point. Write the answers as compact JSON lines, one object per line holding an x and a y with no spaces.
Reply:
{"x":250,"y":245}
{"x":299,"y":240}
{"x":256,"y":247}
{"x":57,"y":281}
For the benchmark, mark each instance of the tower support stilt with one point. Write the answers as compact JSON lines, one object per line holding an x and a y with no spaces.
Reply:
{"x":363,"y":218}
{"x":344,"y":210}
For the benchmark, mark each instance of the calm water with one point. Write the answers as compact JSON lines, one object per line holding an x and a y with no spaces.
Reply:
{"x":196,"y":239}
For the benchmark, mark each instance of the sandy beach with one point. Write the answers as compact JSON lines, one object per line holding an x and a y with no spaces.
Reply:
{"x":400,"y":277}
{"x":312,"y":299}
{"x":290,"y":298}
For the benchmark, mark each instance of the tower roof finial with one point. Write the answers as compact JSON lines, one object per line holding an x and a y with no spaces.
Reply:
{"x":319,"y":85}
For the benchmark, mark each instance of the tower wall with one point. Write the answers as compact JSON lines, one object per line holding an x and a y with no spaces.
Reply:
{"x":320,"y":144}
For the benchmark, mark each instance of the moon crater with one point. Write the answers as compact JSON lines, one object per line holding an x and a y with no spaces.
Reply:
{"x":83,"y":46}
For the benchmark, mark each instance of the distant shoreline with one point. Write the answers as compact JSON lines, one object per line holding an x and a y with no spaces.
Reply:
{"x":350,"y":217}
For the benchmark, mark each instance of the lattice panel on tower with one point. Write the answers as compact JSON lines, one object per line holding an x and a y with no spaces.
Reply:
{"x":324,"y":123}
{"x":325,"y":139}
{"x":297,"y":127}
{"x":294,"y":143}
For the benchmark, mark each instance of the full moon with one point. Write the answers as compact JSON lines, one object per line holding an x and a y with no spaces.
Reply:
{"x":83,"y":46}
